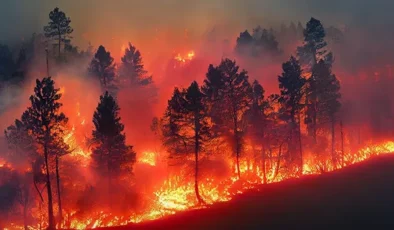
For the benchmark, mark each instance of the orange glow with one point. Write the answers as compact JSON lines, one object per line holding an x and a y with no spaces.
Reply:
{"x":148,"y":157}
{"x":184,"y":58}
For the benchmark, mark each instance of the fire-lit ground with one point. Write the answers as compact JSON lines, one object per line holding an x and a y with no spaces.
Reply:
{"x":357,"y":197}
{"x":176,"y":194}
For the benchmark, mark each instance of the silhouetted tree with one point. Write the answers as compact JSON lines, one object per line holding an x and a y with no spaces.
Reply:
{"x":291,"y":85}
{"x":268,"y":44}
{"x":111,"y":154}
{"x":257,"y":121}
{"x":102,"y":66}
{"x":314,"y":48}
{"x":229,"y":94}
{"x":58,"y":28}
{"x":186,"y":126}
{"x":324,"y":94}
{"x":22,"y":155}
{"x":46,"y":124}
{"x":132,"y":68}
{"x":244,"y":43}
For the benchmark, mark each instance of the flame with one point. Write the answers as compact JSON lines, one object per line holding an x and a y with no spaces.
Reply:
{"x":188,"y":57}
{"x":148,"y":157}
{"x":176,"y":193}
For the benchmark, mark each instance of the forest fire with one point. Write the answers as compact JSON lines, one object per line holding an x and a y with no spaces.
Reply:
{"x":99,"y":142}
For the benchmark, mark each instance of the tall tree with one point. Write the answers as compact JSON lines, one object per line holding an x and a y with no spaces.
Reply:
{"x":257,"y":120}
{"x":314,"y":47}
{"x":102,"y":66}
{"x":22,"y":155}
{"x":111,"y":154}
{"x":229,"y":94}
{"x":325,"y":95}
{"x":186,"y":126}
{"x":58,"y":28}
{"x":46,"y":123}
{"x":291,"y":85}
{"x":132,"y":68}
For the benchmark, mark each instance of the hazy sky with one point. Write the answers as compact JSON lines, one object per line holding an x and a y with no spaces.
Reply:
{"x":101,"y":21}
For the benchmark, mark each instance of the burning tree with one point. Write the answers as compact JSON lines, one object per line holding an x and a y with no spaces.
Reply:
{"x":23,"y":155}
{"x":186,"y":125}
{"x":46,"y":124}
{"x":58,"y":28}
{"x":229,"y":95}
{"x":257,"y":119}
{"x":111,"y":155}
{"x":102,"y":67}
{"x":324,"y":95}
{"x":291,"y":85}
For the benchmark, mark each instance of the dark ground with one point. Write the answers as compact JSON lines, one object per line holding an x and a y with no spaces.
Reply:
{"x":358,"y":197}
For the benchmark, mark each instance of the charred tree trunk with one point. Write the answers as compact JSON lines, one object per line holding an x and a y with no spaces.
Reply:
{"x":196,"y":150}
{"x":333,"y":158}
{"x":58,"y":191}
{"x":51,"y":219}
{"x":342,"y":148}
{"x":25,"y":204}
{"x":314,"y":123}
{"x":237,"y":147}
{"x":278,"y":163}
{"x":60,"y":39}
{"x":264,"y":170}
{"x":300,"y":142}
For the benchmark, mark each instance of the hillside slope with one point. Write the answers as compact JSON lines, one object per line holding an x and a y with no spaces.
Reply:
{"x":358,"y":197}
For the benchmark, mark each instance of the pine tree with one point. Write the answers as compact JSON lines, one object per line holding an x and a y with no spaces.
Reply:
{"x":314,"y":48}
{"x":102,"y":66}
{"x":229,"y":94}
{"x":111,"y":155}
{"x":325,"y":93}
{"x":46,"y":124}
{"x":22,"y":155}
{"x":257,"y":121}
{"x":58,"y":28}
{"x":244,"y":44}
{"x":186,"y":126}
{"x":291,"y":85}
{"x":132,"y":68}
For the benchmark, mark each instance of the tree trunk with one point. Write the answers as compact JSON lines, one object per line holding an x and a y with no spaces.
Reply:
{"x":58,"y":191}
{"x":264,"y":170}
{"x":51,"y":220}
{"x":25,"y":204}
{"x":196,"y":149}
{"x":277,"y":163}
{"x":237,"y":149}
{"x":333,"y":158}
{"x":60,"y":39}
{"x":314,"y":125}
{"x":342,"y":148}
{"x":300,"y":142}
